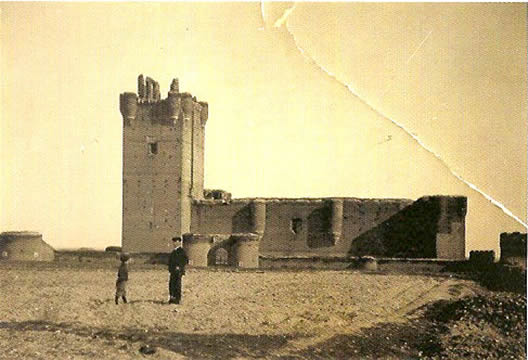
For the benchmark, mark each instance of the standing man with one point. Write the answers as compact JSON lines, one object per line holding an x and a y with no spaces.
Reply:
{"x":177,"y":261}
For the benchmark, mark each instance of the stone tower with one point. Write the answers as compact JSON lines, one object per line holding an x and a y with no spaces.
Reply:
{"x":163,"y":164}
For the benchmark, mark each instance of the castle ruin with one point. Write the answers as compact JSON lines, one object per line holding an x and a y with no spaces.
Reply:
{"x":164,"y":196}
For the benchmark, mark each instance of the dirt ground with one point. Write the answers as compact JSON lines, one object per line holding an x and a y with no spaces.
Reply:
{"x":56,"y":312}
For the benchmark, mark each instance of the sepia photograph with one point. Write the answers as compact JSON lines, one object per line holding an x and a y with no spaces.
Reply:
{"x":263,"y":180}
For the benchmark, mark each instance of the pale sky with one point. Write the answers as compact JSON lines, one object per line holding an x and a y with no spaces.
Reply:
{"x":436,"y":99}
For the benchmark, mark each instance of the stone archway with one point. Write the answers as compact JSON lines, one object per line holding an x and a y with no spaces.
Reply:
{"x":239,"y":250}
{"x":221,"y":252}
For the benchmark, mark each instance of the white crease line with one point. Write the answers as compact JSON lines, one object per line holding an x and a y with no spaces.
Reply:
{"x":262,"y":13}
{"x":410,"y":133}
{"x":278,"y":23}
{"x":419,"y":46}
{"x":391,"y":81}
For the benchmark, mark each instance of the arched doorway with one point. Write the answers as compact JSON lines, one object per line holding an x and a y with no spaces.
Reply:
{"x":221,"y":257}
{"x":218,"y":256}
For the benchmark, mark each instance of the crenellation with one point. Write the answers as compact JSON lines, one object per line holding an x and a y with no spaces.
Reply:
{"x":174,"y":86}
{"x":204,"y":114}
{"x":156,"y":91}
{"x":141,"y":88}
{"x":122,"y":104}
{"x":173,"y":106}
{"x":197,"y":108}
{"x":187,"y":104}
{"x":150,"y":90}
{"x":513,"y":248}
{"x":152,"y":109}
{"x":128,"y":106}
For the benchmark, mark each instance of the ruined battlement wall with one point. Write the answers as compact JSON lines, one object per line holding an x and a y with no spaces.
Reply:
{"x":301,"y":227}
{"x":430,"y":227}
{"x":513,"y":248}
{"x":162,"y":111}
{"x":216,"y":217}
{"x":322,"y":227}
{"x":163,"y":159}
{"x":513,"y":244}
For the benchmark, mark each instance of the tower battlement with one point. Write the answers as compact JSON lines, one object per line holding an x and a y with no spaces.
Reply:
{"x":176,"y":106}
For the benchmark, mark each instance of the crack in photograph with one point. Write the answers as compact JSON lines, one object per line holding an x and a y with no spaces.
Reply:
{"x":360,"y":194}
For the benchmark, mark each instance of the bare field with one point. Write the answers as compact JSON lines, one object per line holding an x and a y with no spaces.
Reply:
{"x":61,"y":313}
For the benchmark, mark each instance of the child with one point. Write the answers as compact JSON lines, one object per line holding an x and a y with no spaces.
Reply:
{"x":122,"y":278}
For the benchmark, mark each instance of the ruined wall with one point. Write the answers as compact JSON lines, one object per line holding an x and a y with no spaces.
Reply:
{"x":431,"y":227}
{"x":24,"y":246}
{"x":513,"y":248}
{"x":295,"y":227}
{"x":158,"y":154}
{"x":217,"y":217}
{"x":321,"y":227}
{"x":451,"y":231}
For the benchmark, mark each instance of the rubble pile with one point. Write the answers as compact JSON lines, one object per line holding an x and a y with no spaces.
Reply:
{"x":479,"y":327}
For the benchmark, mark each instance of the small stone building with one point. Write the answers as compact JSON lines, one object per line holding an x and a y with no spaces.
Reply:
{"x":24,"y":246}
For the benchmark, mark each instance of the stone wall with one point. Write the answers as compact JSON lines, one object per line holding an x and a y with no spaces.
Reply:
{"x":431,"y":227}
{"x":296,"y":227}
{"x":217,"y":217}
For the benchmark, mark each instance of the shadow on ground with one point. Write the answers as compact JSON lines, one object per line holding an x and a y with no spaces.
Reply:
{"x":388,"y":340}
{"x":385,"y":341}
{"x":195,"y":346}
{"x":491,"y":326}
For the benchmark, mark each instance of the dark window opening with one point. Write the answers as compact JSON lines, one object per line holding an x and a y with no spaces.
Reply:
{"x":296,"y":225}
{"x":153,"y":148}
